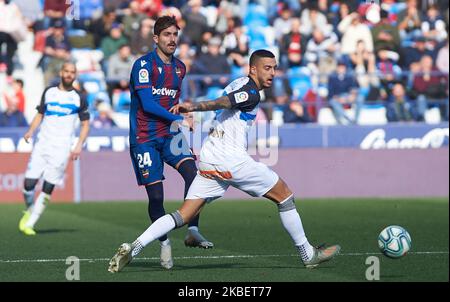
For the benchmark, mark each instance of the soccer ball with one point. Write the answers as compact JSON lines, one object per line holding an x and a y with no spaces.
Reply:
{"x":394,"y":241}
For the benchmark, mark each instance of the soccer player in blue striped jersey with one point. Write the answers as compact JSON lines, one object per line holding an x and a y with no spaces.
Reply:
{"x":155,"y":86}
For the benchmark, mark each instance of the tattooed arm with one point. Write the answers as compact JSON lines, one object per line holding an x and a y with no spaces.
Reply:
{"x":219,"y":103}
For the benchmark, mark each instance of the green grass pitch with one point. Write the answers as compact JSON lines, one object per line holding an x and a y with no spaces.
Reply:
{"x":250,"y":243}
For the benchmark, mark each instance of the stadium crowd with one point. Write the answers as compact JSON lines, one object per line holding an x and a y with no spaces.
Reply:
{"x":342,"y":55}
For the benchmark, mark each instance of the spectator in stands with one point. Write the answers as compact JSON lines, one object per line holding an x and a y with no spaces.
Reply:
{"x":57,"y":50}
{"x":293,"y":46}
{"x":400,"y":108}
{"x":212,"y":63}
{"x":295,"y":112}
{"x":12,"y":117}
{"x":343,"y":93}
{"x":196,"y":22}
{"x":312,"y":18}
{"x":119,"y":69}
{"x":101,"y":28}
{"x":364,"y":64}
{"x":385,"y":35}
{"x":323,"y":6}
{"x":410,"y":21}
{"x":54,"y":10}
{"x":142,"y":41}
{"x":151,"y":8}
{"x":433,"y":26}
{"x":353,"y":30}
{"x":236,"y":46}
{"x":414,"y":53}
{"x":282,"y":24}
{"x":12,"y":30}
{"x":17,"y":88}
{"x":132,"y":20}
{"x":227,"y":10}
{"x":388,"y":69}
{"x":338,"y":12}
{"x":322,"y":50}
{"x":279,"y":95}
{"x":111,"y":44}
{"x":103,"y":119}
{"x":186,"y":54}
{"x":430,"y":86}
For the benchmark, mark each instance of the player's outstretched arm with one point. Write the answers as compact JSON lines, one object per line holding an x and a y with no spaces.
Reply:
{"x":150,"y":106}
{"x":34,"y":124}
{"x":219,"y":103}
{"x":83,"y":135}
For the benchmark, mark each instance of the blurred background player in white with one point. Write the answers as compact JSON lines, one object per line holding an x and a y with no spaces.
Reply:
{"x":57,"y":115}
{"x":224,"y":161}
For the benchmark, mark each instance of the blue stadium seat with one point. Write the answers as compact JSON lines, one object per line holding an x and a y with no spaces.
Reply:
{"x":300,"y":81}
{"x":236,"y":72}
{"x":122,"y":101}
{"x":256,"y":16}
{"x":214,"y":93}
{"x":257,"y":38}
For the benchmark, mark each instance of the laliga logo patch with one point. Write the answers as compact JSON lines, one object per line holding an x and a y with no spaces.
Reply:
{"x":241,"y":97}
{"x":143,"y":76}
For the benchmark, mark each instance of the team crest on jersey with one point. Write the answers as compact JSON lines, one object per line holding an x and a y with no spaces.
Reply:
{"x":143,"y":76}
{"x":178,"y":71}
{"x":241,"y":97}
{"x":145,"y":173}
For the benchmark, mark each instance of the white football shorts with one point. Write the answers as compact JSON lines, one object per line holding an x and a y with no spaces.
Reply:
{"x":48,"y":161}
{"x":212,"y":180}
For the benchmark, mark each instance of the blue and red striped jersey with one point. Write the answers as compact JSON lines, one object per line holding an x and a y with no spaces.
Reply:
{"x":163,"y":82}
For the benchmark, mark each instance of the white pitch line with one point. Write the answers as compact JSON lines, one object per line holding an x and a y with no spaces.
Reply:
{"x":206,"y":257}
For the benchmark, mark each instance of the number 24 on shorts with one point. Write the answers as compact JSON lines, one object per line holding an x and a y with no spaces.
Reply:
{"x":144,"y":160}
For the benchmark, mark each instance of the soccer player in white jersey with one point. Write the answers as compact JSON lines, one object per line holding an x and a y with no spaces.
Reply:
{"x":224,"y":161}
{"x":57,"y":115}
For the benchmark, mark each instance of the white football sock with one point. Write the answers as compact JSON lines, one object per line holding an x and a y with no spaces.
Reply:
{"x":306,"y":251}
{"x":160,"y":227}
{"x":38,"y":209}
{"x":193,"y":228}
{"x":293,"y":224}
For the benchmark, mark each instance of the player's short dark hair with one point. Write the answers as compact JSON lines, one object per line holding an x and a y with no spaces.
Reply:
{"x":164,"y":22}
{"x":258,"y":54}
